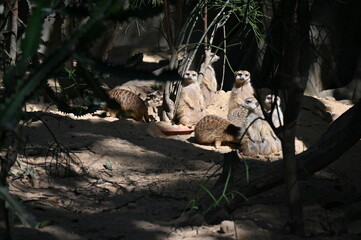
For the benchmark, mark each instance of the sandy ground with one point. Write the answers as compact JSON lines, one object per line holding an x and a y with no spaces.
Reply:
{"x":122,"y":183}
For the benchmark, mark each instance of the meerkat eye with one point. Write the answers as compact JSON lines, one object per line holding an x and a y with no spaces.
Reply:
{"x":194,"y":74}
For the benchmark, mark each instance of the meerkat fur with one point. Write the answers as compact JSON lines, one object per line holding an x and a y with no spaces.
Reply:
{"x":130,"y":104}
{"x":277,"y":115}
{"x":208,"y":83}
{"x":214,"y":129}
{"x":241,"y":90}
{"x":190,"y":108}
{"x":260,"y":138}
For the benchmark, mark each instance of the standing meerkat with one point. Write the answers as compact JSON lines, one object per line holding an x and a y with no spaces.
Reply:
{"x":214,"y":129}
{"x":208,"y":83}
{"x":277,"y":115}
{"x":260,"y":138}
{"x":190,"y":108}
{"x":241,"y":90}
{"x":130,"y":103}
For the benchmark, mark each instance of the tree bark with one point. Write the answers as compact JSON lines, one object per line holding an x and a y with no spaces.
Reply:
{"x":293,"y":76}
{"x":341,"y":136}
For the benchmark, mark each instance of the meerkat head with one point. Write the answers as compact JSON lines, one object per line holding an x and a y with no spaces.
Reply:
{"x":269,"y":99}
{"x":250,"y":103}
{"x":190,"y":77}
{"x":242,"y":76}
{"x":214,"y":58}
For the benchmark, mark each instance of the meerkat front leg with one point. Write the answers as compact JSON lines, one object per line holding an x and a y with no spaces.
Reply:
{"x":217,"y":143}
{"x":207,"y":86}
{"x":184,"y":121}
{"x":188,"y":101}
{"x":254,"y":134}
{"x":201,"y":103}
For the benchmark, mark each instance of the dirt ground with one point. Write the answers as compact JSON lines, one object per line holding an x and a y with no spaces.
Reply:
{"x":123,"y":183}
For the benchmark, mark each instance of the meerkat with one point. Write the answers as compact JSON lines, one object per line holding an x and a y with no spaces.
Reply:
{"x":214,"y":129}
{"x":208,"y":83}
{"x":190,"y":108}
{"x":241,"y":90}
{"x":237,"y":116}
{"x":259,"y":138}
{"x":130,"y":103}
{"x":277,"y":115}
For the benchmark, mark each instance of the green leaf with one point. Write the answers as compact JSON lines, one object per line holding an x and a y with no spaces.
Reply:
{"x":240,"y":194}
{"x":29,"y":45}
{"x":45,"y":223}
{"x":10,"y":111}
{"x":108,"y":165}
{"x":210,"y":194}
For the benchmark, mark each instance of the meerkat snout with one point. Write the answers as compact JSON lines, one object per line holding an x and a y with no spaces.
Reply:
{"x":190,"y":75}
{"x":277,"y":115}
{"x":242,"y":75}
{"x":250,"y":103}
{"x":272,"y":99}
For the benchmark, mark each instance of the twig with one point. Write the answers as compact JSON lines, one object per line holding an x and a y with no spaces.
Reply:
{"x":17,"y":16}
{"x":14,"y":30}
{"x":209,"y":27}
{"x":224,"y":55}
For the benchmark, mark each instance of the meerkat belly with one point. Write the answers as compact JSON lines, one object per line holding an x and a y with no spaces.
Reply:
{"x":190,"y":109}
{"x":239,"y":95}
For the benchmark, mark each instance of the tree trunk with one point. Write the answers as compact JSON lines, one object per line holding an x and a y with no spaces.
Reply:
{"x":293,"y":76}
{"x":341,"y":136}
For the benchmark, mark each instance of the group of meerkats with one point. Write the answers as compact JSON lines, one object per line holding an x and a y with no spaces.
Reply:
{"x":245,"y":124}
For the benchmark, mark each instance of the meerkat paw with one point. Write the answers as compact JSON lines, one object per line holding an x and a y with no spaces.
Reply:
{"x":217,"y":144}
{"x":184,"y":121}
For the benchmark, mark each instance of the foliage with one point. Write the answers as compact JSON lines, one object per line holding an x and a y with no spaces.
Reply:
{"x":26,"y":84}
{"x":23,"y":80}
{"x":217,"y":201}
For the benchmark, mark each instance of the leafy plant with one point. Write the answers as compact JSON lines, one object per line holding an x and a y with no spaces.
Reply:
{"x":217,"y":200}
{"x":23,"y":80}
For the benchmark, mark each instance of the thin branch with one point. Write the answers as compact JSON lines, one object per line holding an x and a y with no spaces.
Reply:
{"x":13,"y":12}
{"x":225,"y":56}
{"x":14,"y":32}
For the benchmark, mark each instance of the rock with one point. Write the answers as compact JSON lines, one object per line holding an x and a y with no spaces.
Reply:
{"x":245,"y":230}
{"x":132,"y":205}
{"x":354,"y":227}
{"x":226,"y":227}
